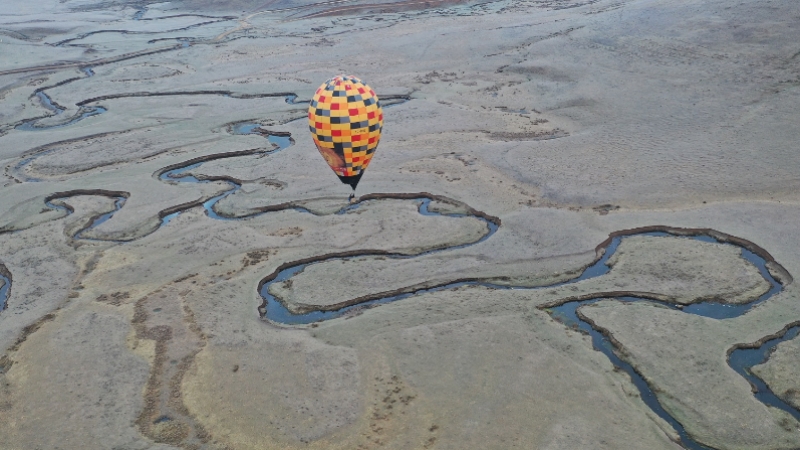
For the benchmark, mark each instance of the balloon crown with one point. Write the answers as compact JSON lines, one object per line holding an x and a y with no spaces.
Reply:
{"x":339,"y":78}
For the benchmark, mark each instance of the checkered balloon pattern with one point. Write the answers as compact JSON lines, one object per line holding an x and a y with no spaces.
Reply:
{"x":345,"y":119}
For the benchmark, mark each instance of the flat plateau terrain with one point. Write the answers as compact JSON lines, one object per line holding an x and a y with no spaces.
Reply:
{"x":579,"y":231}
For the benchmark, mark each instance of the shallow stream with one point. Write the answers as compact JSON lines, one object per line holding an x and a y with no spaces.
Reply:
{"x":49,"y":104}
{"x":4,"y":291}
{"x":182,"y":174}
{"x":741,"y":360}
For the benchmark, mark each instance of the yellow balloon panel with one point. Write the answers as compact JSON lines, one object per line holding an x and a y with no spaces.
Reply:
{"x":345,"y":119}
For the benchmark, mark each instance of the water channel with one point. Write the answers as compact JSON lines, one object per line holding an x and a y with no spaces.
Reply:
{"x":48,"y":103}
{"x":741,"y":360}
{"x":4,"y":291}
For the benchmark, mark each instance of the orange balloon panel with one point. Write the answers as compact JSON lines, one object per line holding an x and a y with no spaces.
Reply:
{"x":345,"y":119}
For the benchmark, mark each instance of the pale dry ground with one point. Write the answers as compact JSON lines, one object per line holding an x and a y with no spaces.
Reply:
{"x":566,"y":120}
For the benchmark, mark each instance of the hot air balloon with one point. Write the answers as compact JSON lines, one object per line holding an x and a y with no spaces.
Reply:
{"x":345,"y":119}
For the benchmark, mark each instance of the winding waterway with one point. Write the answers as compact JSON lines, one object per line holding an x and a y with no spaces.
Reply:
{"x":47,"y":102}
{"x":4,"y":291}
{"x":181,"y":174}
{"x":741,"y":359}
{"x":119,"y":202}
{"x":85,"y":111}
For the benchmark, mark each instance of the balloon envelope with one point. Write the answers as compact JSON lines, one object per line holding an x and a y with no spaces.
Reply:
{"x":345,"y":119}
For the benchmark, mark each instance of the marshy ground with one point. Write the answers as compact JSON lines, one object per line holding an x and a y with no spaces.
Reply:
{"x":579,"y":230}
